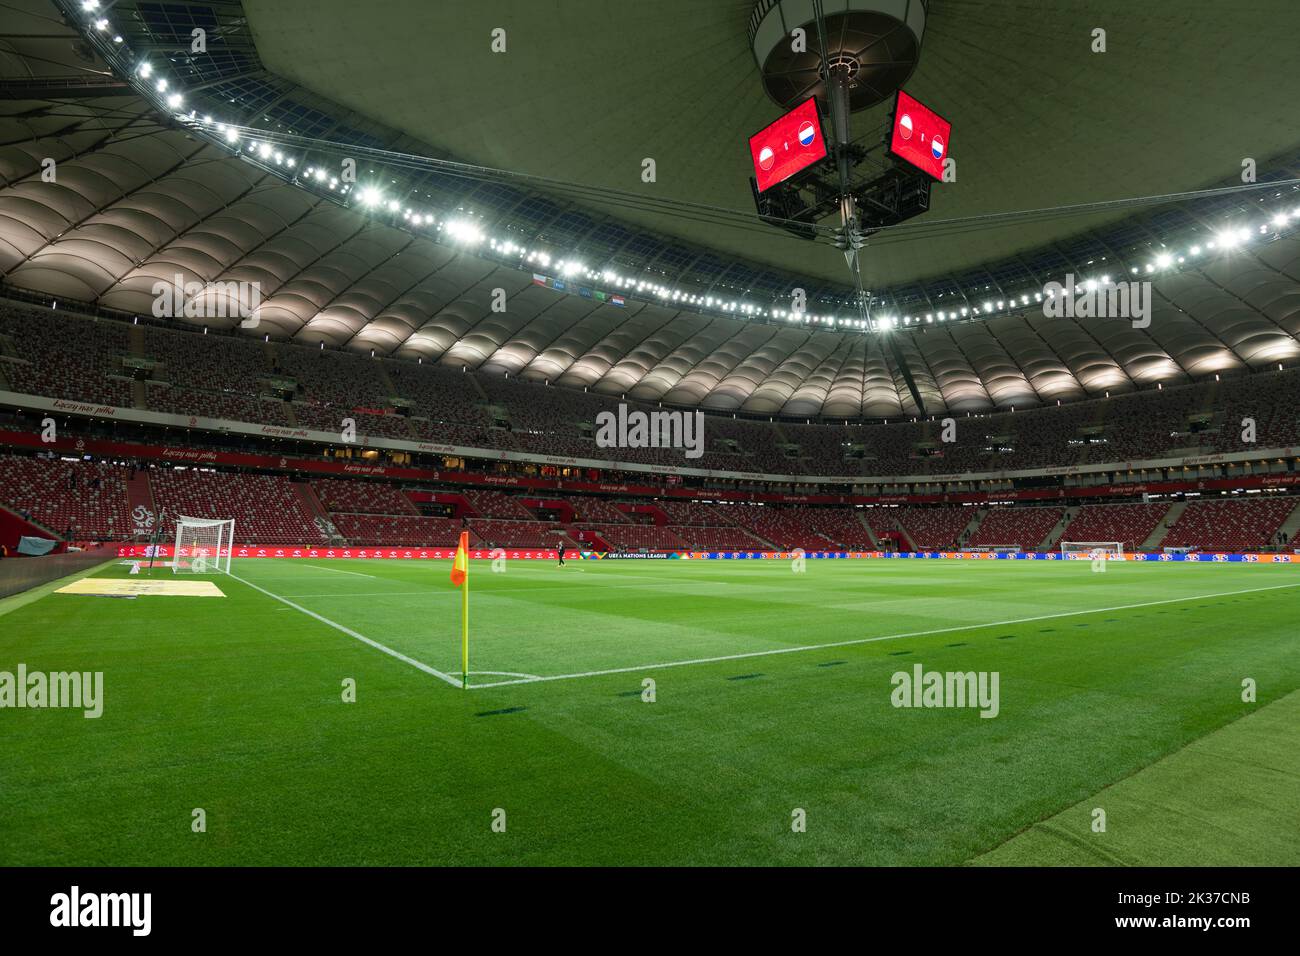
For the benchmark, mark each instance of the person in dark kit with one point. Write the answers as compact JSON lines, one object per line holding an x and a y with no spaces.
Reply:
{"x":560,"y":549}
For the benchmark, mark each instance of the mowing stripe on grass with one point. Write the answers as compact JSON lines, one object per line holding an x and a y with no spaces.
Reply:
{"x":419,"y":665}
{"x":867,"y":640}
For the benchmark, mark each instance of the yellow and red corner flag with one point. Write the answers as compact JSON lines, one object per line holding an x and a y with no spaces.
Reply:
{"x":460,"y":567}
{"x":460,"y":578}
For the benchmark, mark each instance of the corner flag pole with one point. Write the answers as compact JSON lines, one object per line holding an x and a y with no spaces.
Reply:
{"x":460,"y":578}
{"x":464,"y":630}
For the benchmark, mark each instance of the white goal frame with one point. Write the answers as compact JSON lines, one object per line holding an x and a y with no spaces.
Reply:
{"x":1114,"y":549}
{"x":204,"y":539}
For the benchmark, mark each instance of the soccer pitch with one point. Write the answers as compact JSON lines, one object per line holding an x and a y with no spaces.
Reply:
{"x":773,"y":702}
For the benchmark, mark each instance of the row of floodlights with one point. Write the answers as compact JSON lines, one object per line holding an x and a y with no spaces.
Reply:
{"x":468,"y":232}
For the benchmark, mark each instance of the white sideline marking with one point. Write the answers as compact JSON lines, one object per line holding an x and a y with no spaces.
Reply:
{"x":321,"y":567}
{"x":869,"y":640}
{"x":503,"y":674}
{"x":351,"y":633}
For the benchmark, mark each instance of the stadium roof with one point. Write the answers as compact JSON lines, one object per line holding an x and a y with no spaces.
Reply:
{"x":587,"y":89}
{"x":138,"y":199}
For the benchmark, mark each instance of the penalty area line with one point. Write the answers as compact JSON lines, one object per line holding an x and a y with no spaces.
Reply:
{"x":418,"y":665}
{"x":867,"y":640}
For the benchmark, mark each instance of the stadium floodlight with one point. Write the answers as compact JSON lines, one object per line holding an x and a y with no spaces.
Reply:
{"x":199,"y":545}
{"x":463,"y":230}
{"x":370,"y":196}
{"x":174,"y":101}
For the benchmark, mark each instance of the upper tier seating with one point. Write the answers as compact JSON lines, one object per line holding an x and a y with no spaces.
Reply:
{"x":56,"y":354}
{"x":63,"y":356}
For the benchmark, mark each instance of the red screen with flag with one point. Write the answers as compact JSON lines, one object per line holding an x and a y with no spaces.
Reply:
{"x":920,"y":135}
{"x":792,"y":143}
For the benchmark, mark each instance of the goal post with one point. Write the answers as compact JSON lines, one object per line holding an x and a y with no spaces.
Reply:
{"x":200,"y":543}
{"x":1113,"y":550}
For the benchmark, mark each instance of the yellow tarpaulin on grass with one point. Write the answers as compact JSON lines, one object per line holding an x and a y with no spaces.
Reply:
{"x":115,"y":587}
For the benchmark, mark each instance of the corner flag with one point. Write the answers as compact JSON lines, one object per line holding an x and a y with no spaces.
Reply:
{"x":460,"y":578}
{"x":460,"y":567}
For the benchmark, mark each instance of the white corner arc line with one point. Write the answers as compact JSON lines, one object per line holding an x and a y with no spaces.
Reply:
{"x":868,"y":640}
{"x":418,"y":665}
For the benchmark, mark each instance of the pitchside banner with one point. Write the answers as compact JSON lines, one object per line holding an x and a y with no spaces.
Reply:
{"x":542,"y":554}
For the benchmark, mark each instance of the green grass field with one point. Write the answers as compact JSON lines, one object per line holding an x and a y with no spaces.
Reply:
{"x":1120,"y":691}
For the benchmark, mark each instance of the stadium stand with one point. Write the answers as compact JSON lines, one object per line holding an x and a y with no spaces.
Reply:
{"x":490,"y":503}
{"x":61,"y":356}
{"x":1024,"y":527}
{"x":75,"y":499}
{"x":363,"y":497}
{"x":1129,"y":524}
{"x":266,"y":508}
{"x":494,"y":533}
{"x":370,"y":530}
{"x":448,"y":405}
{"x":934,"y":528}
{"x":1232,"y":525}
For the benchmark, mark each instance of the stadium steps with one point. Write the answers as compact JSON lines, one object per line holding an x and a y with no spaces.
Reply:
{"x":139,"y":394}
{"x":871,"y":535}
{"x":312,"y":506}
{"x":907,"y":535}
{"x":1291,"y":525}
{"x":139,"y":494}
{"x":289,"y":414}
{"x":1053,"y":536}
{"x":970,"y":529}
{"x":478,"y":388}
{"x":1171,"y":516}
{"x":49,"y":532}
{"x":382,"y":374}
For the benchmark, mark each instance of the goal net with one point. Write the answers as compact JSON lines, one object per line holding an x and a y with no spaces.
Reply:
{"x":1112,"y":550}
{"x":200,"y":543}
